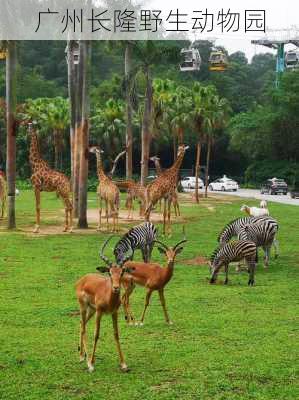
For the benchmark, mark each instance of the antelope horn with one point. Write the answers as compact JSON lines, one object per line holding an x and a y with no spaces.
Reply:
{"x":162,"y":244}
{"x":103,"y":257}
{"x":178,"y":244}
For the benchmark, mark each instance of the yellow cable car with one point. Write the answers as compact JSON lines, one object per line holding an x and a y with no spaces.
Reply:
{"x":218,"y":61}
{"x":2,"y":54}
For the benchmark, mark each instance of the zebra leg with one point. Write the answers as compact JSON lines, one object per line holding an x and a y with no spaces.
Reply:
{"x":226,"y":274}
{"x":251,"y":269}
{"x":266,"y":257}
{"x":276,"y":248}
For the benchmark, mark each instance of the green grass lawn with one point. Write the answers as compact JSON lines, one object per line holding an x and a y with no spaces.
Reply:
{"x":227,"y":342}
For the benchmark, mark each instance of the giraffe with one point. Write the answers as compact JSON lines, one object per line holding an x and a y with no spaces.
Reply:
{"x":163,"y":187}
{"x":107,"y":191}
{"x":3,"y":194}
{"x":45,"y":179}
{"x":135,"y":191}
{"x":159,"y":170}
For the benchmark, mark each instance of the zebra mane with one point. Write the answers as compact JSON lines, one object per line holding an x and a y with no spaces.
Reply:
{"x":227,"y":226}
{"x":214,"y":254}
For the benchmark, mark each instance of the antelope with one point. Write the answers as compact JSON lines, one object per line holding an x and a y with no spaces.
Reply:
{"x":153,"y":277}
{"x":100,"y":295}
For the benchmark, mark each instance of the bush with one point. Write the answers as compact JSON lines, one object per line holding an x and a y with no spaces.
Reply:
{"x":259,"y":171}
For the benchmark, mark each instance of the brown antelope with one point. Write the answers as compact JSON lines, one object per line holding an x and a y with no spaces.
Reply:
{"x":151,"y":276}
{"x":100,"y":295}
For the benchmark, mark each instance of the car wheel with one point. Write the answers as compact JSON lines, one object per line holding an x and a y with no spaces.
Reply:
{"x":223,"y":189}
{"x":210,"y":188}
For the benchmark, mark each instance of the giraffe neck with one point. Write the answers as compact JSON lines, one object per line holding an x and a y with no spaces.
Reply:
{"x":177,"y":164}
{"x":158,"y":167}
{"x":100,"y":170}
{"x":34,"y":155}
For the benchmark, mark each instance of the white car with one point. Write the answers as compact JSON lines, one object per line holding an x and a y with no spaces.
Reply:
{"x":224,"y":184}
{"x":189,"y":182}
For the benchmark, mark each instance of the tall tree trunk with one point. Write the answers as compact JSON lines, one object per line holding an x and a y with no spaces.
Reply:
{"x":207,"y":166}
{"x":197,"y":167}
{"x":78,"y":91}
{"x":11,"y":100}
{"x":146,"y":128}
{"x":72,"y":84}
{"x":174,"y":147}
{"x":84,"y":131}
{"x":129,"y":129}
{"x":56,"y":149}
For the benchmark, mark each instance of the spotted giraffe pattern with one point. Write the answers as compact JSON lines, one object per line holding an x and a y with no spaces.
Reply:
{"x":46,"y":179}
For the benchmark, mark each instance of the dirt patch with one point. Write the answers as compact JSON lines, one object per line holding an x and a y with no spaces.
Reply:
{"x":199,"y":260}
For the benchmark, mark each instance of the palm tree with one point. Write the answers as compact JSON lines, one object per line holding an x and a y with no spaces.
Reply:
{"x":109,"y":122}
{"x":11,"y":102}
{"x":83,"y":133}
{"x":218,"y":112}
{"x":200,"y":121}
{"x":129,"y":110}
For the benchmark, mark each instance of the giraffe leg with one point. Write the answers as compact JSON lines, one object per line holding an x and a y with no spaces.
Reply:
{"x":168,"y":216}
{"x":107,"y":214}
{"x":164,"y":218}
{"x":100,"y":212}
{"x":37,"y":206}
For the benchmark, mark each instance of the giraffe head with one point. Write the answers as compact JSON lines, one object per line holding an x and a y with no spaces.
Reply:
{"x":96,"y":150}
{"x":181,"y":149}
{"x":155,"y":158}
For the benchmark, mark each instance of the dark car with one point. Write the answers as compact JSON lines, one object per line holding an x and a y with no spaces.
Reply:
{"x":294,"y":192}
{"x":274,"y":186}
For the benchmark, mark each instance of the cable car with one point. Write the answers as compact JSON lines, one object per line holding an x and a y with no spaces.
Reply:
{"x":191,"y":60}
{"x":218,"y":61}
{"x":291,"y":59}
{"x":2,"y":54}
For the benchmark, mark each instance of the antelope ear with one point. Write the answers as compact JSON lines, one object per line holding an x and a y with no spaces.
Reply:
{"x":103,"y":269}
{"x":179,"y":250}
{"x":129,"y":269}
{"x":161,"y":250}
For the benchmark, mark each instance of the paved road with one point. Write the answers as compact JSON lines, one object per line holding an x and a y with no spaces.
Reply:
{"x":253,"y":193}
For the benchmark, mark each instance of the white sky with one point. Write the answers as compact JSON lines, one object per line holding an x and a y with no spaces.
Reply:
{"x":278,"y":16}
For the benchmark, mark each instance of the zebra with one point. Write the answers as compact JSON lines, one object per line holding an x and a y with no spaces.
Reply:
{"x":234,"y":251}
{"x":262,"y":235}
{"x":140,"y":237}
{"x":233,"y":228}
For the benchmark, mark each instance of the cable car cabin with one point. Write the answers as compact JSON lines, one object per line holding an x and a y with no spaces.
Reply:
{"x":218,"y":61}
{"x":2,"y":54}
{"x":292,"y":59}
{"x":191,"y":60}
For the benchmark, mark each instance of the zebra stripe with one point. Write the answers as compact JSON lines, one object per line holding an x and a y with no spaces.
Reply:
{"x":233,"y":228}
{"x":262,"y":235}
{"x":234,"y":251}
{"x":140,"y":237}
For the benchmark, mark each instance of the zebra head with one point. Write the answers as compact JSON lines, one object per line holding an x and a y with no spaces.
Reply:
{"x":215,"y":264}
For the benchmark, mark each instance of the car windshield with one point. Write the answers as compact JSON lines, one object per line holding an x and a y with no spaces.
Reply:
{"x":278,"y":181}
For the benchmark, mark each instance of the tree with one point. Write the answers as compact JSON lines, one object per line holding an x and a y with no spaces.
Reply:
{"x":83,"y":133}
{"x":217,"y":112}
{"x":11,"y":100}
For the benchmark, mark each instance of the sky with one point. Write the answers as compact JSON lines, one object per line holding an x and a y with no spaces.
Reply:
{"x":278,"y":16}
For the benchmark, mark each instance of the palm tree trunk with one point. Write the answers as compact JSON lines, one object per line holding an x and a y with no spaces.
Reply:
{"x":78,"y":90}
{"x":197,"y":166}
{"x":56,"y":149}
{"x":84,"y":131}
{"x":146,"y":128}
{"x":73,"y":104}
{"x":207,"y":166}
{"x":11,"y":78}
{"x":129,"y":129}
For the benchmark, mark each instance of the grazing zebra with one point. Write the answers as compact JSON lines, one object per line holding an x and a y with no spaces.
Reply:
{"x":140,"y":237}
{"x":262,"y":235}
{"x":234,"y":251}
{"x":234,"y":227}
